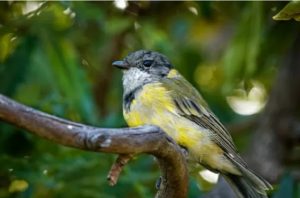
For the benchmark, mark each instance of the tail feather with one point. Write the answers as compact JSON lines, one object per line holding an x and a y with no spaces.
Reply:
{"x":244,"y":188}
{"x":258,"y":182}
{"x":248,"y":184}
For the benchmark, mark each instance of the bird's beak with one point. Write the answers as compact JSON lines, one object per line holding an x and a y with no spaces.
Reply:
{"x":121,"y":64}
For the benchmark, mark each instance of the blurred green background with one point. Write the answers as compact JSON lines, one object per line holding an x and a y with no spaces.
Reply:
{"x":56,"y":57}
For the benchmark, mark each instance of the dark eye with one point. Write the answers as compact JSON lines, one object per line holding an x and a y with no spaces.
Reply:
{"x":147,"y":63}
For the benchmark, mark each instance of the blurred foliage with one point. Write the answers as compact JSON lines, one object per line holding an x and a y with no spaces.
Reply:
{"x":56,"y":57}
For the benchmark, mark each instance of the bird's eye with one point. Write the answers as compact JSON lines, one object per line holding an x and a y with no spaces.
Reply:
{"x":147,"y":63}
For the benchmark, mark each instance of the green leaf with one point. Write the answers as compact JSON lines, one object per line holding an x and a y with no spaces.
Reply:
{"x":15,"y":67}
{"x":290,"y":11}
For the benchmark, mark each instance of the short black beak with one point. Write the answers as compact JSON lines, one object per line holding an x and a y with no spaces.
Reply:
{"x":120,"y":64}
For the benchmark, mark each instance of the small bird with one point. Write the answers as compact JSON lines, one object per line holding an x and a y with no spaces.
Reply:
{"x":155,"y":93}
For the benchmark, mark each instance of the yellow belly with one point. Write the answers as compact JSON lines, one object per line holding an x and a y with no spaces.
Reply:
{"x":153,"y":105}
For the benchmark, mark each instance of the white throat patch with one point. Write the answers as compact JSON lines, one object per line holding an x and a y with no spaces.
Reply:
{"x":134,"y":78}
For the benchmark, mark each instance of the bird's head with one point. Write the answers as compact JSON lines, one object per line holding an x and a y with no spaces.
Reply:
{"x":150,"y":62}
{"x":142,"y":67}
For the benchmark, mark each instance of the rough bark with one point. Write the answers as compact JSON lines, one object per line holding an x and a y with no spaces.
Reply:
{"x":145,"y":139}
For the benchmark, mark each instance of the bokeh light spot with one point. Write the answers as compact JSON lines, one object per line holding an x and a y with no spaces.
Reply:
{"x":249,"y":102}
{"x":209,"y":176}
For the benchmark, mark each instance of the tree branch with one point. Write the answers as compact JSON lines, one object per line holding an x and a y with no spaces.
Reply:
{"x":117,"y":168}
{"x":146,"y":139}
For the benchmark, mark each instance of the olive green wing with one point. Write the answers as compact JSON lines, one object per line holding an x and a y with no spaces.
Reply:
{"x":192,"y":106}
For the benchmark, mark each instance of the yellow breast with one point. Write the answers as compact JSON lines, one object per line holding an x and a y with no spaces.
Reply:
{"x":149,"y":103}
{"x":153,"y":105}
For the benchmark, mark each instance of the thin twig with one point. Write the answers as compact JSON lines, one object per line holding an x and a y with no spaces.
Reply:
{"x":117,"y":168}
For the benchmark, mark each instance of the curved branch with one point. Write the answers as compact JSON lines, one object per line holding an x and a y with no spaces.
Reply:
{"x":146,"y":139}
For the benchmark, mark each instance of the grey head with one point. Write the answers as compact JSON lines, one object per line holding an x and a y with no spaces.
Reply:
{"x":142,"y":67}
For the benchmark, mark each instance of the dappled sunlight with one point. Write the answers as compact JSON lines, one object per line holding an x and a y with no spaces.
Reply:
{"x":31,"y":6}
{"x":193,"y":10}
{"x":18,"y":185}
{"x":208,"y":76}
{"x":249,"y":102}
{"x":209,"y":176}
{"x":121,"y":4}
{"x":69,"y":12}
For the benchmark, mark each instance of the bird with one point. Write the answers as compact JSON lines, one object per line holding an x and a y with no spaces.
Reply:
{"x":155,"y":93}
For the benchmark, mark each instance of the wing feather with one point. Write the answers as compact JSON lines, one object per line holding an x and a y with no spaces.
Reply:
{"x":192,"y":106}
